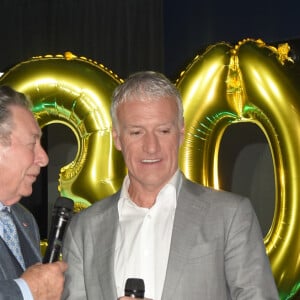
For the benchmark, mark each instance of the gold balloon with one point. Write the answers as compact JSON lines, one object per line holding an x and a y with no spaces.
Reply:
{"x":76,"y":92}
{"x":248,"y":83}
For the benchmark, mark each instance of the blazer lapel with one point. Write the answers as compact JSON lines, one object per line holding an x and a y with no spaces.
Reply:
{"x":29,"y":236}
{"x":184,"y":234}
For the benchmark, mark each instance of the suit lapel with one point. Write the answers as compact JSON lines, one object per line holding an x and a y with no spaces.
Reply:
{"x":184,"y":235}
{"x":28,"y":236}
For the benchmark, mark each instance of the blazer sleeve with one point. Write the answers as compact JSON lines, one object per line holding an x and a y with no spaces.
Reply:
{"x":247,"y":265}
{"x":75,"y":282}
{"x":9,"y":290}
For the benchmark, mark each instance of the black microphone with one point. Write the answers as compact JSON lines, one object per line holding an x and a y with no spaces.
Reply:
{"x":135,"y":288}
{"x":61,"y":215}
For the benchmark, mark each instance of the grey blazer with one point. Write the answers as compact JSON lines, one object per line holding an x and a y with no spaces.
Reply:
{"x":30,"y":243}
{"x":217,"y":250}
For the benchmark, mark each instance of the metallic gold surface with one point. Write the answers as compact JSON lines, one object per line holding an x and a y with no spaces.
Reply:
{"x":248,"y":83}
{"x":75,"y":92}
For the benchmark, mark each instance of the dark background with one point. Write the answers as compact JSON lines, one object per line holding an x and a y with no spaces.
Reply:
{"x":191,"y":25}
{"x":131,"y":35}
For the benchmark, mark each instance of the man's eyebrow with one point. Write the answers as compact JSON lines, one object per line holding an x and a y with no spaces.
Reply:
{"x":133,"y":126}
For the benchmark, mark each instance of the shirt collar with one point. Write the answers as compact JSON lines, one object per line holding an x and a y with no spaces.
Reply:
{"x":2,"y":206}
{"x":175,"y":182}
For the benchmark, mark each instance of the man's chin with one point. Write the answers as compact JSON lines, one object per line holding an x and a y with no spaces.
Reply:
{"x":154,"y":183}
{"x":27,"y":192}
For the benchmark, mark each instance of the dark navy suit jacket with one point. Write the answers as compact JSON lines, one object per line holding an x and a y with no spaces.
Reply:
{"x":30,"y":243}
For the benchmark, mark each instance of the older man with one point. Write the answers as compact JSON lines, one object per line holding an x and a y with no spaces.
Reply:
{"x":22,"y":276}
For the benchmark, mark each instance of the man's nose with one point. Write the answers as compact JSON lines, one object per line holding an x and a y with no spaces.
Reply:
{"x":151,"y":143}
{"x":42,"y":158}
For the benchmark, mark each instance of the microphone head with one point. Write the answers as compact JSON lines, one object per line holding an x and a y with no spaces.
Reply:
{"x":63,"y":202}
{"x":63,"y":208}
{"x":135,"y":287}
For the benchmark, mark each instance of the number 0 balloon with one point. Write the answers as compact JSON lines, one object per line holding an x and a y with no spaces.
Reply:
{"x":248,"y":83}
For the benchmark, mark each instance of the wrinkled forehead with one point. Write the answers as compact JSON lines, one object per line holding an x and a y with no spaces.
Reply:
{"x":23,"y":119}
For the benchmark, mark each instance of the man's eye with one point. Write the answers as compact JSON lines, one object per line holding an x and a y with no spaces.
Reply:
{"x":165,"y":131}
{"x":136,"y":132}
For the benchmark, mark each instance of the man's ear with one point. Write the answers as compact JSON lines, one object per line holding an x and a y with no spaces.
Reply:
{"x":116,"y":139}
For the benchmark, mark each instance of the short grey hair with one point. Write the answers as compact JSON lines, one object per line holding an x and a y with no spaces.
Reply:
{"x":8,"y":98}
{"x":148,"y":86}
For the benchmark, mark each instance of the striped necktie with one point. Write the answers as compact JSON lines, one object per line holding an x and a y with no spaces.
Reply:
{"x":10,"y":235}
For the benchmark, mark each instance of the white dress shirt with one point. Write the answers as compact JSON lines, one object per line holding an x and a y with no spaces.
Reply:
{"x":144,"y":237}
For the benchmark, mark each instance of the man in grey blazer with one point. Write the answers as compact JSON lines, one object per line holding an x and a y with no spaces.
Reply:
{"x":21,"y":158}
{"x":186,"y":241}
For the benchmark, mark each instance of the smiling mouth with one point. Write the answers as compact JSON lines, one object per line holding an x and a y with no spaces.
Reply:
{"x":32,"y":176}
{"x":150,"y":161}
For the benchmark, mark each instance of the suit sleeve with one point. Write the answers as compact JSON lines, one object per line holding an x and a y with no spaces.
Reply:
{"x":247,"y":266}
{"x":74,"y":288}
{"x":10,"y":290}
